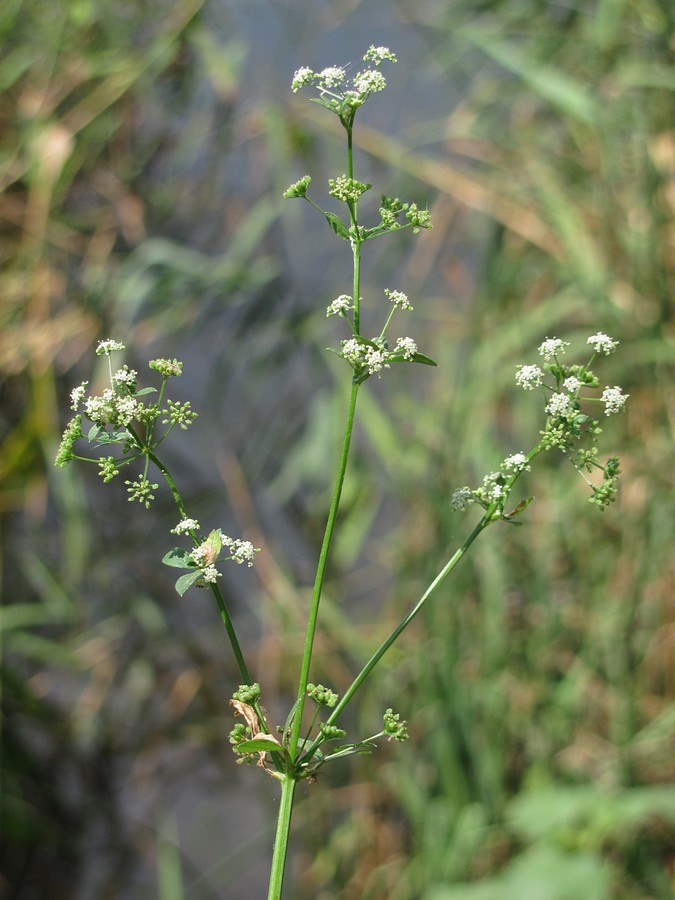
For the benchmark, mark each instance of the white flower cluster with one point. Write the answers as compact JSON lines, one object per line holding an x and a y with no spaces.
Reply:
{"x":399,"y":299}
{"x":115,"y":406}
{"x":461,"y":498}
{"x":364,"y":356}
{"x":241,"y":551}
{"x":331,"y":80}
{"x":77,"y":395}
{"x":516,"y":463}
{"x":601,"y":343}
{"x":407,"y":346}
{"x":375,"y":360}
{"x":560,"y":406}
{"x":614,"y":399}
{"x":125,"y":376}
{"x":210,"y":574}
{"x":105,"y":348}
{"x":552,"y":347}
{"x":563,"y":405}
{"x":495,"y":486}
{"x":185,"y":525}
{"x":340,"y":306}
{"x":111,"y":408}
{"x":369,"y":81}
{"x":529,"y":377}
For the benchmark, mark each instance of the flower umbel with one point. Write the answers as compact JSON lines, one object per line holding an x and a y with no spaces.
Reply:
{"x":567,"y":425}
{"x":614,"y":400}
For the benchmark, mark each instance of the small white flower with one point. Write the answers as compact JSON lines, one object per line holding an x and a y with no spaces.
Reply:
{"x":332,"y":76}
{"x":209,"y":574}
{"x":127,"y":409}
{"x":461,"y":498}
{"x":572,"y":384}
{"x":376,"y":360}
{"x":497,"y":491}
{"x":125,"y":376}
{"x":95,"y":408}
{"x":340,"y":306}
{"x":245,"y":553}
{"x":302,"y":77}
{"x":198,"y":555}
{"x":559,"y":406}
{"x":241,"y":551}
{"x":601,"y":343}
{"x":614,"y":399}
{"x":353,"y":351}
{"x":107,"y":347}
{"x":517,"y":462}
{"x":77,"y":395}
{"x":407,"y":345}
{"x":552,"y":347}
{"x":529,"y":377}
{"x":369,"y":81}
{"x":399,"y":299}
{"x":185,"y":525}
{"x":378,"y":54}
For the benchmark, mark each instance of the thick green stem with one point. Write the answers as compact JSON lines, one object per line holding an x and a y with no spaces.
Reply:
{"x":356,"y":250}
{"x":281,"y":838}
{"x":321,"y":574}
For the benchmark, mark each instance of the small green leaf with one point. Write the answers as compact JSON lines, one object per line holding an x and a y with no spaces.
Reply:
{"x":332,"y":105}
{"x":337,"y":225}
{"x":290,"y":717}
{"x":146,"y":390}
{"x":425,"y":360}
{"x":522,"y":506}
{"x":179,"y":559}
{"x":213,"y":544}
{"x":259,"y":745}
{"x":186,"y":581}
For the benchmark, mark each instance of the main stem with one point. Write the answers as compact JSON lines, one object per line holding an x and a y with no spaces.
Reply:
{"x":289,"y":778}
{"x":321,"y":574}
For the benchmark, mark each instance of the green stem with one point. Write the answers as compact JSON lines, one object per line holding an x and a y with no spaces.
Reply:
{"x":403,"y":624}
{"x":320,"y":575}
{"x":281,"y":838}
{"x":356,"y":249}
{"x":215,"y":589}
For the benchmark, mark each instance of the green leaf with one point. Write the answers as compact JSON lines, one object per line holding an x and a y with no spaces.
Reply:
{"x":522,"y":506}
{"x":259,"y":745}
{"x":332,"y":105}
{"x":337,"y":225}
{"x":186,"y":581}
{"x":179,"y":559}
{"x":146,"y":390}
{"x":425,"y":360}
{"x":213,"y":543}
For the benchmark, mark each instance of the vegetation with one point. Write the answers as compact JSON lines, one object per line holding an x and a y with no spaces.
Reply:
{"x":541,"y":711}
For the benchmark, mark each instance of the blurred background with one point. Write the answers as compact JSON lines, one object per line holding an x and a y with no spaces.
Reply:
{"x":144,"y":148}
